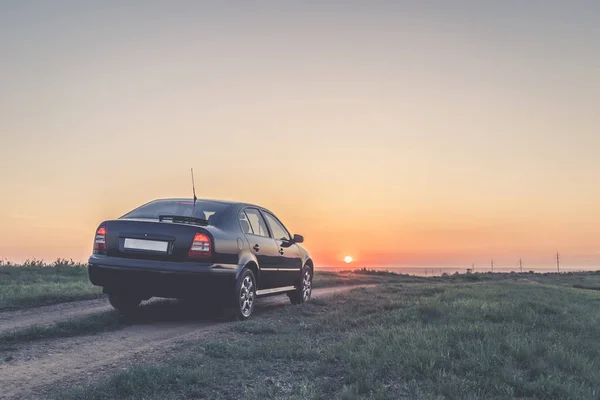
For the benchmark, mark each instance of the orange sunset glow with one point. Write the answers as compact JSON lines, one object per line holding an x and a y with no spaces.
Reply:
{"x":390,"y":135}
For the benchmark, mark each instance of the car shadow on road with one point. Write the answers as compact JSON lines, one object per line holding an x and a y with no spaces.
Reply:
{"x":169,"y":310}
{"x":173,"y":310}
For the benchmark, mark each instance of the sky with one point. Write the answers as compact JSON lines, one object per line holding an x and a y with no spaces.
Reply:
{"x":425,"y":133}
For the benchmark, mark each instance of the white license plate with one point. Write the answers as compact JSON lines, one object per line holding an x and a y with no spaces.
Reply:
{"x":142,"y":244}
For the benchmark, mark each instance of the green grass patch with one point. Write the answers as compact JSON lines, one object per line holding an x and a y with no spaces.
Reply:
{"x":36,"y":283}
{"x":587,"y":287}
{"x":95,"y":323}
{"x":362,"y":277}
{"x":574,"y":279}
{"x":463,"y":340}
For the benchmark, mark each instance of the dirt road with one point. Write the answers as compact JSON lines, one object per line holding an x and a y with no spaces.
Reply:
{"x":46,"y":315}
{"x":158,"y":325}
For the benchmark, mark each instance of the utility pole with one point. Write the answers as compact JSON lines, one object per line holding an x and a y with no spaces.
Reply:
{"x":521,"y":264}
{"x":492,"y":265}
{"x":557,"y":262}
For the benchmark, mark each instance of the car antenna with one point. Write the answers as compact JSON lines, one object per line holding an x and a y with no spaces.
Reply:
{"x":194,"y":187}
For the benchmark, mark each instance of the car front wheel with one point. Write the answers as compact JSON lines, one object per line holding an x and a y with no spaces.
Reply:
{"x":304,"y":290}
{"x":245,"y":295}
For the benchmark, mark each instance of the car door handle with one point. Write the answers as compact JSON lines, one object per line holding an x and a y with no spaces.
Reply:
{"x":256,"y":247}
{"x":280,"y":251}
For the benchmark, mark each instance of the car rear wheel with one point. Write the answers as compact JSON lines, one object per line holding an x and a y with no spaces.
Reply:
{"x":123,"y":302}
{"x":304,"y":289}
{"x":245,"y":295}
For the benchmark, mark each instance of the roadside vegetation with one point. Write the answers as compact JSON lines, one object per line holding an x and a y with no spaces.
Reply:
{"x":362,"y":276}
{"x":580,"y":279}
{"x":36,"y":283}
{"x":462,"y":336}
{"x":456,"y":337}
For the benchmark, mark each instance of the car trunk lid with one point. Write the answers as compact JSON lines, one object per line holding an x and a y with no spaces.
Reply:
{"x":168,"y":239}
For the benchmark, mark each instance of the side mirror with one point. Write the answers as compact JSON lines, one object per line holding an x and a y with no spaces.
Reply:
{"x":298,"y":238}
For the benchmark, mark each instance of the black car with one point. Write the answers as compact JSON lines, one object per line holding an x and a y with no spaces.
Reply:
{"x":216,"y":253}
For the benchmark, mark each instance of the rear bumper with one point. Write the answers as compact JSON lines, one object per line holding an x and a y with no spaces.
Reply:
{"x":161,"y":279}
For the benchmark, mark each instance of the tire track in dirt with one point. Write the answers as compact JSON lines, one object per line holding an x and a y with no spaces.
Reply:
{"x":46,"y":315}
{"x":161,"y":324}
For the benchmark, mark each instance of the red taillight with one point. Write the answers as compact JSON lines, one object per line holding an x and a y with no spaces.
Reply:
{"x":200,"y":246}
{"x":100,"y":241}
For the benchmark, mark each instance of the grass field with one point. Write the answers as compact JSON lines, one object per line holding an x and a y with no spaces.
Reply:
{"x":504,"y":337}
{"x":496,"y":336}
{"x":362,"y":276}
{"x":36,"y":283}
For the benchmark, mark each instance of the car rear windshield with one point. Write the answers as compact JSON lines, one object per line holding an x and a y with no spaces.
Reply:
{"x":209,"y":210}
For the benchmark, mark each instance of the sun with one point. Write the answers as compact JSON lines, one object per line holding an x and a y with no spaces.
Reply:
{"x":348,"y":259}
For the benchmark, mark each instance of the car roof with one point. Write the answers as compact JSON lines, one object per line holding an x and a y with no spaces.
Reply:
{"x":229,"y":202}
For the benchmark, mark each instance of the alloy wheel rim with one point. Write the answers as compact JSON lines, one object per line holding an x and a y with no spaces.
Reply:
{"x":306,"y":286}
{"x":246,"y":296}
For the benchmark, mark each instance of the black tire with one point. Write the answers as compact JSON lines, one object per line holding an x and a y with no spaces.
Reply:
{"x":245,"y":295}
{"x":126,"y":304}
{"x":304,"y":288}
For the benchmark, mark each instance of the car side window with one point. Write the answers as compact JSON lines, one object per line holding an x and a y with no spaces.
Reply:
{"x":257,"y":223}
{"x":279,"y":231}
{"x":245,"y":223}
